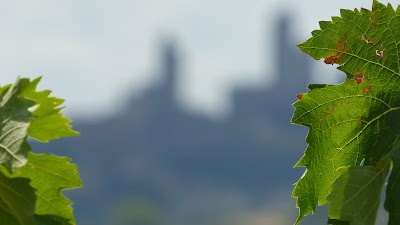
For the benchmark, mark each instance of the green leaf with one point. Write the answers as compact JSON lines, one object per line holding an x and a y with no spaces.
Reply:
{"x":358,"y":119}
{"x":337,"y":222}
{"x":48,"y":122}
{"x":51,"y":220}
{"x":31,"y":195}
{"x":356,"y":193}
{"x":14,"y":121}
{"x":50,"y":174}
{"x":30,"y":184}
{"x":17,"y":201}
{"x":392,"y":203}
{"x":23,"y":112}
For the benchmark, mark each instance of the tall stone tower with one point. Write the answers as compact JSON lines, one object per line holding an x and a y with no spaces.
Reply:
{"x":169,"y":68}
{"x":293,"y":66}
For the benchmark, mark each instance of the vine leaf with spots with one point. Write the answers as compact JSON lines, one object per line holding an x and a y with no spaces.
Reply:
{"x":31,"y":184}
{"x":354,"y":127}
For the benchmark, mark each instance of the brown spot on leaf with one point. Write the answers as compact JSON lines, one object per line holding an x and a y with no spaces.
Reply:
{"x":334,"y":59}
{"x":360,"y":77}
{"x":367,"y":89}
{"x":330,"y":110}
{"x":299,"y":96}
{"x":340,"y":46}
{"x":330,"y":60}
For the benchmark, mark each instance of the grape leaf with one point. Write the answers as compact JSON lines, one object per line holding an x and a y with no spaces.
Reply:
{"x":356,"y":193}
{"x":30,"y":184}
{"x":51,"y":220}
{"x":358,"y":119}
{"x":48,"y":123}
{"x":24,"y":111}
{"x":14,"y":121}
{"x":50,"y":174}
{"x":31,"y":194}
{"x":338,"y":222}
{"x":17,"y":201}
{"x":392,"y":203}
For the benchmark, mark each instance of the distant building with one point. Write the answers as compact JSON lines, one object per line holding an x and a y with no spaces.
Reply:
{"x":293,"y":77}
{"x":156,"y":151}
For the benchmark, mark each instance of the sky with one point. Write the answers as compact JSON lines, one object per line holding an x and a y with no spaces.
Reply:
{"x":96,"y":54}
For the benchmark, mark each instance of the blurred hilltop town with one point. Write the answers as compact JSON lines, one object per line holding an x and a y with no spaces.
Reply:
{"x":156,"y":163}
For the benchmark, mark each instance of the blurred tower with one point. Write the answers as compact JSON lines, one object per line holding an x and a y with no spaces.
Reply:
{"x":293,"y":66}
{"x":283,"y":47}
{"x":293,"y":71}
{"x":169,"y":69}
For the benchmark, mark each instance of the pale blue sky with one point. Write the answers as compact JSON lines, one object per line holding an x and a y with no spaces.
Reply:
{"x":93,"y":53}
